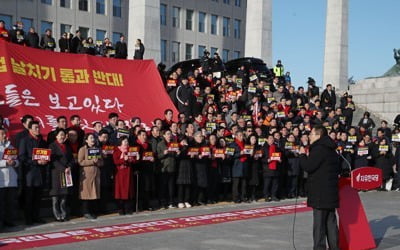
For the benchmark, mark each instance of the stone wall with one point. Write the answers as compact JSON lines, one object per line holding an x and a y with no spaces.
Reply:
{"x":380,"y":96}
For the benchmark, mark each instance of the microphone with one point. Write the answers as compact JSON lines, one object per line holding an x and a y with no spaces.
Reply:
{"x":345,"y":172}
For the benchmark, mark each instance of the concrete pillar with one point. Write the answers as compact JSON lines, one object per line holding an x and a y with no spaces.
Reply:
{"x":144,"y":23}
{"x":336,"y":44}
{"x":258,"y":41}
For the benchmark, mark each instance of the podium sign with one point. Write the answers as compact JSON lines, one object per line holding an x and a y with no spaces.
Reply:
{"x":366,"y":178}
{"x":354,"y":230}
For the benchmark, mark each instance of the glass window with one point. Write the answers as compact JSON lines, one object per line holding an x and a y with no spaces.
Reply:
{"x":213,"y":50}
{"x":7,"y":19}
{"x":236,"y":27}
{"x":49,"y":2}
{"x":238,"y":3}
{"x":115,"y":37}
{"x":202,"y":21}
{"x":214,"y":25}
{"x":189,"y":51}
{"x":44,"y":25}
{"x":226,"y":26}
{"x":201,"y":50}
{"x":65,"y":28}
{"x":163,"y":51}
{"x":100,"y":7}
{"x":189,"y":19}
{"x":84,"y":32}
{"x":100,"y":35}
{"x":175,"y":52}
{"x":28,"y":23}
{"x":83,"y":5}
{"x":225,"y":55}
{"x":236,"y":54}
{"x":65,"y":3}
{"x":226,"y":1}
{"x":117,"y":6}
{"x":163,"y":14}
{"x":176,"y":11}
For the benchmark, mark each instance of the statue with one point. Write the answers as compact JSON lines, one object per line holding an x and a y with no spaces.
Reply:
{"x":397,"y":56}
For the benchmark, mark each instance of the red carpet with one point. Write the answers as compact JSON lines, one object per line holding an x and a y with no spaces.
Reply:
{"x":85,"y":234}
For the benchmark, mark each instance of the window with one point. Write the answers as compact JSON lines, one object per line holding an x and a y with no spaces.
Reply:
{"x":225,"y":55}
{"x":28,"y":22}
{"x":189,"y":51}
{"x":100,"y":7}
{"x":176,"y":11}
{"x":189,"y":19}
{"x":163,"y":51}
{"x":44,"y":25}
{"x":202,"y":21}
{"x":84,"y":32}
{"x":236,"y":28}
{"x":226,"y":1}
{"x":201,"y":50}
{"x":213,"y":50}
{"x":163,"y":14}
{"x":100,"y":35}
{"x":65,"y":3}
{"x":7,"y":19}
{"x":236,"y":54}
{"x":175,"y":52}
{"x":49,"y":2}
{"x":65,"y":28}
{"x":215,"y":1}
{"x":238,"y":3}
{"x":226,"y":26}
{"x":115,"y":37}
{"x":214,"y":21}
{"x":83,"y":5}
{"x":117,"y":6}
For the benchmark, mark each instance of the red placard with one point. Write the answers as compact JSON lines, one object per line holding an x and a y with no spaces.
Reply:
{"x":173,"y":147}
{"x":276,"y":156}
{"x":48,"y":84}
{"x":366,"y":178}
{"x":41,"y":154}
{"x":10,"y":154}
{"x":205,"y":151}
{"x":108,"y":149}
{"x":133,"y":151}
{"x":148,"y":156}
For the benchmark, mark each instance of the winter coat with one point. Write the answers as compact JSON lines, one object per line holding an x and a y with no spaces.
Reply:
{"x":124,"y":184}
{"x":323,"y":168}
{"x":89,"y":178}
{"x":8,"y":174}
{"x":33,"y":172}
{"x":60,"y":160}
{"x":168,"y":161}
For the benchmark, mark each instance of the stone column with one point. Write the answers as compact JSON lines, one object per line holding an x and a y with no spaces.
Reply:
{"x":258,"y":41}
{"x":336,"y":44}
{"x":144,"y":23}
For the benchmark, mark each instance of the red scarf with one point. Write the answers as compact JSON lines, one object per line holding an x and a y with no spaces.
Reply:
{"x":272,"y":165}
{"x":241,"y":146}
{"x":62,"y":147}
{"x":144,"y":145}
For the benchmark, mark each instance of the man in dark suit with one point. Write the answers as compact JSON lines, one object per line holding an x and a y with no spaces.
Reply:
{"x":323,"y":168}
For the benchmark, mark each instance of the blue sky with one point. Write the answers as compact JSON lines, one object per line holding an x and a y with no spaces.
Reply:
{"x":299,"y":37}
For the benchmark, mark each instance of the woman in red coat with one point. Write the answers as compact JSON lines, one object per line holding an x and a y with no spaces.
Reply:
{"x":124,"y":183}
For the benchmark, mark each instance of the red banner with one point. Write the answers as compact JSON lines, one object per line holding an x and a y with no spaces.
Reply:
{"x":48,"y":84}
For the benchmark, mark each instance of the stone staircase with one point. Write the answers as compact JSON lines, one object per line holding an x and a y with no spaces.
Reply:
{"x":380,"y":96}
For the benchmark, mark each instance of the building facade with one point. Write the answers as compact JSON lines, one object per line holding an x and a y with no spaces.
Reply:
{"x":94,"y":18}
{"x":186,"y":27}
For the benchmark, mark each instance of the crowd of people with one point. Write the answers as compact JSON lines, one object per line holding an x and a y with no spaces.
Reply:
{"x":236,"y":138}
{"x":69,"y":43}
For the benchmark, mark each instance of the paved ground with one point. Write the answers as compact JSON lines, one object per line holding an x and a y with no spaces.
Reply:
{"x":274,"y":232}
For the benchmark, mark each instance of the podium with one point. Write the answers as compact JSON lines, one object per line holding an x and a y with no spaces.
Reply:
{"x":354,"y":230}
